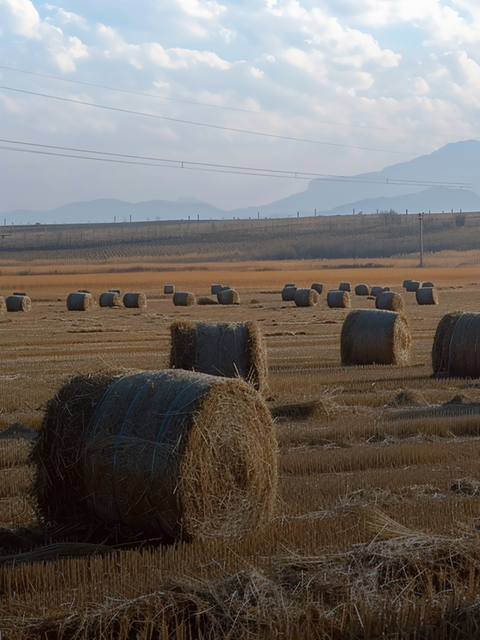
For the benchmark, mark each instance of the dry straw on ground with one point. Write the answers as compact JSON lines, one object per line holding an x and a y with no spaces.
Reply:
{"x":135,"y":300}
{"x":110,"y":299}
{"x":183,"y":299}
{"x":338,"y":299}
{"x":372,"y":336}
{"x":79,"y":301}
{"x":169,"y":454}
{"x":228,"y":296}
{"x":361,"y":290}
{"x":390,"y":301}
{"x":221,"y":349}
{"x":168,"y":288}
{"x":345,"y":286}
{"x":306,"y":298}
{"x":455,"y":351}
{"x":318,"y":287}
{"x":412,"y":285}
{"x":426,"y":295}
{"x":18,"y":303}
{"x":3,"y":305}
{"x":288,"y":292}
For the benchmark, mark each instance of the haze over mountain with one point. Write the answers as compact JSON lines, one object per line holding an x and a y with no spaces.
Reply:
{"x":383,"y":190}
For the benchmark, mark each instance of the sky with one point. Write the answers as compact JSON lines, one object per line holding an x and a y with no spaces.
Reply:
{"x":337,"y":87}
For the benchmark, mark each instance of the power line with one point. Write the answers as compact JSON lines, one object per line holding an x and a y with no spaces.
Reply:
{"x":203,"y":124}
{"x":206,"y":166}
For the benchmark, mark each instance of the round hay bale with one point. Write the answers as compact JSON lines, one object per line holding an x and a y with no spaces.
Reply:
{"x":362,"y":290}
{"x":345,"y":286}
{"x":117,"y":291}
{"x":230,"y":350}
{"x":376,"y":291}
{"x":19,"y":293}
{"x":290,"y":284}
{"x":135,"y":300}
{"x":426,"y":295}
{"x":318,"y":287}
{"x":306,"y":297}
{"x":168,"y":454}
{"x":228,"y":296}
{"x":390,"y":301}
{"x":168,"y":288}
{"x":83,"y":291}
{"x":79,"y":301}
{"x":372,"y":336}
{"x":18,"y":303}
{"x":3,"y":305}
{"x":205,"y":300}
{"x":110,"y":299}
{"x":405,"y":282}
{"x":215,"y":288}
{"x":288,"y":293}
{"x":183,"y":299}
{"x":386,"y":289}
{"x":456,"y":346}
{"x":428,"y":284}
{"x":412,"y":285}
{"x":338,"y":300}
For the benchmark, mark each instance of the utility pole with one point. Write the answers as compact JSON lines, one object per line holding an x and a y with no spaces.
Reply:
{"x":420,"y":217}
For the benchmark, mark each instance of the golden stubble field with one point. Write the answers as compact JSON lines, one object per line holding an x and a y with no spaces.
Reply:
{"x":376,"y":531}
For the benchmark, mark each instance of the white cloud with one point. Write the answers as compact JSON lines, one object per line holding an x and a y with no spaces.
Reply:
{"x":197,"y":9}
{"x":21,"y":17}
{"x":256,"y":73}
{"x":177,"y":58}
{"x":66,"y":52}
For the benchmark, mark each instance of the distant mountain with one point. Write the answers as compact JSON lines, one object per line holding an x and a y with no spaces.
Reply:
{"x":399,"y":187}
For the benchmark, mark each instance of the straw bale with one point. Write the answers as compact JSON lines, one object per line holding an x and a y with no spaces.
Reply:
{"x":215,"y":288}
{"x":386,"y":289}
{"x":79,"y":301}
{"x":361,"y":290}
{"x":135,"y":300}
{"x":345,"y":286}
{"x":426,"y":295}
{"x":390,"y":301}
{"x":83,"y":291}
{"x":373,"y":336}
{"x":318,"y":287}
{"x":456,"y":346}
{"x":405,"y":282}
{"x":288,"y":293}
{"x":168,"y":288}
{"x":19,"y":293}
{"x":205,"y":300}
{"x":230,"y":350}
{"x":18,"y":303}
{"x":228,"y":296}
{"x":183,"y":299}
{"x":376,"y":291}
{"x":290,"y":284}
{"x":162,"y":454}
{"x":3,"y":305}
{"x":117,"y":291}
{"x":110,"y":299}
{"x":306,"y":297}
{"x":412,"y":285}
{"x":339,"y":299}
{"x":427,"y":284}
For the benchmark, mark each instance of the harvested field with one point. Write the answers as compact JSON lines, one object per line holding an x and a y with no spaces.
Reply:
{"x":379,"y":472}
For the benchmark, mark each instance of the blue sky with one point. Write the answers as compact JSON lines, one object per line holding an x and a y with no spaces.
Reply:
{"x":400,"y":77}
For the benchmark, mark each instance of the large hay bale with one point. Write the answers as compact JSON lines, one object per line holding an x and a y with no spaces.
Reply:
{"x":228,"y":296}
{"x":222,"y":349}
{"x":78,"y":301}
{"x":183,"y":299}
{"x":373,"y":336}
{"x":290,"y":284}
{"x":405,"y":282}
{"x":168,"y":288}
{"x":117,"y":291}
{"x":3,"y":305}
{"x":412,"y":285}
{"x":318,"y":287}
{"x":288,"y":293}
{"x":135,"y":300}
{"x":306,"y":297}
{"x":456,"y":346}
{"x":110,"y":299}
{"x":18,"y":303}
{"x":338,"y":299}
{"x":216,"y":288}
{"x":345,"y":286}
{"x":426,"y":295}
{"x":362,"y":290}
{"x":168,"y":454}
{"x":390,"y":301}
{"x":205,"y":301}
{"x":427,"y":284}
{"x":376,"y":291}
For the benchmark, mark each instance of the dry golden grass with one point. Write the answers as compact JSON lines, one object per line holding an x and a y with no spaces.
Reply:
{"x":375,"y":531}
